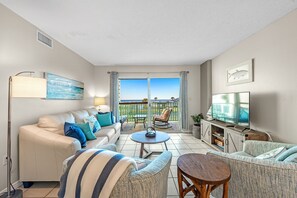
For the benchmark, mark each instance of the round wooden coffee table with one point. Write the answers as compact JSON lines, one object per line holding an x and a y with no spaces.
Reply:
{"x":206,"y":173}
{"x":141,"y":138}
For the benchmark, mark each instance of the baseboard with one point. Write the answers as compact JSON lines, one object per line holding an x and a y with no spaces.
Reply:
{"x":16,"y":185}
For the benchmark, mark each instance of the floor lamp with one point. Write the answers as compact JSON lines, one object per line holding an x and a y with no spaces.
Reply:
{"x":22,"y":87}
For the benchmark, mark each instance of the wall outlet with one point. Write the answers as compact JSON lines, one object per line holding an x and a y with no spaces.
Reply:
{"x":4,"y":162}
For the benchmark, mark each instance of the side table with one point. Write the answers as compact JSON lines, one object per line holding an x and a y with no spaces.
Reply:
{"x":206,"y":173}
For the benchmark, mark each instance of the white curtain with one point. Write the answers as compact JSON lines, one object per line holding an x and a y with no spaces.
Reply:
{"x":183,"y":97}
{"x":114,"y":94}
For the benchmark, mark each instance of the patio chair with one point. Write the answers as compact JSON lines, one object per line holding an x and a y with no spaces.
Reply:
{"x":162,"y":120}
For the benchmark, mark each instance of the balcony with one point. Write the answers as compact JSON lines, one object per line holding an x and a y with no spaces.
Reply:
{"x":130,"y":109}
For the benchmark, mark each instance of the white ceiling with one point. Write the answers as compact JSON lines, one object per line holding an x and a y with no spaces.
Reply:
{"x":150,"y":32}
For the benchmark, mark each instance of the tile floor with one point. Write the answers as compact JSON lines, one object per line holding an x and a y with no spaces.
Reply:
{"x":178,"y":144}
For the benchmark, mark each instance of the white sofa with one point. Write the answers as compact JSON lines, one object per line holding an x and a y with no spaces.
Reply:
{"x":43,"y":146}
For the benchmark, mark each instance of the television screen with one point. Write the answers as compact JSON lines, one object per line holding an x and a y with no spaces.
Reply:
{"x":232,"y":108}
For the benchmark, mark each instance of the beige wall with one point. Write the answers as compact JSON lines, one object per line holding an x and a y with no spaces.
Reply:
{"x":274,"y":90}
{"x":102,"y":81}
{"x":20,"y":51}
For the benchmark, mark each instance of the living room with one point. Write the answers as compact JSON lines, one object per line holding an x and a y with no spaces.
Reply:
{"x":269,"y":40}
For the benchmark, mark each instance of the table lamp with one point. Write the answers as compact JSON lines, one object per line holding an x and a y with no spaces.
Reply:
{"x":99,"y":101}
{"x":20,"y":87}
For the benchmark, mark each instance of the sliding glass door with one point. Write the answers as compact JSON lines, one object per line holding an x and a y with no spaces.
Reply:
{"x":142,"y":98}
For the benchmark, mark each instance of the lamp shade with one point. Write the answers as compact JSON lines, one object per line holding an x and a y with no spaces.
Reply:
{"x":99,"y":101}
{"x":31,"y":87}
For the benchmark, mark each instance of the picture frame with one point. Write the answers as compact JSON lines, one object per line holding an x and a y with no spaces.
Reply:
{"x":61,"y":88}
{"x":240,"y":73}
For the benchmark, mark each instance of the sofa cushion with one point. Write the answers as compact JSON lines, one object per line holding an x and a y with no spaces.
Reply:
{"x":109,"y":132}
{"x":105,"y":119}
{"x":92,"y":111}
{"x":55,"y":123}
{"x":94,"y":124}
{"x":116,"y":126}
{"x":80,"y":115}
{"x":96,"y":144}
{"x":72,"y":130}
{"x":85,"y":127}
{"x":111,"y":115}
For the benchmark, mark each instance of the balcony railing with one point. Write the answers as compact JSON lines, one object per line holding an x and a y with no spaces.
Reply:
{"x":130,"y":109}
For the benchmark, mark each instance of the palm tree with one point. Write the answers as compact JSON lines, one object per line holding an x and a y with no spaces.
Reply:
{"x":172,"y":98}
{"x":156,"y":98}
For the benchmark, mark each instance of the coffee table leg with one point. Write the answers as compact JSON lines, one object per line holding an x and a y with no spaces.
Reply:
{"x":225,"y":190}
{"x":180,"y":183}
{"x":166,"y":146}
{"x":141,"y":150}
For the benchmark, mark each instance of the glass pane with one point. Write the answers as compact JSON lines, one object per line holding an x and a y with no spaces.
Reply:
{"x":133,"y":94}
{"x":165,"y":93}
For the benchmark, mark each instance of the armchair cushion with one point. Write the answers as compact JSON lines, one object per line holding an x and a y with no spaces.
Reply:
{"x":272,"y":154}
{"x":291,"y":158}
{"x":287,"y":153}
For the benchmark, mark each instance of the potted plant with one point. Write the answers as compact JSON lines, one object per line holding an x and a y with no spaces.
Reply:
{"x":196,"y":127}
{"x":197,"y":118}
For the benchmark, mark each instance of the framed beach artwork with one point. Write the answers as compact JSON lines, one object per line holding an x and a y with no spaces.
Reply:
{"x":61,"y":88}
{"x":241,"y":73}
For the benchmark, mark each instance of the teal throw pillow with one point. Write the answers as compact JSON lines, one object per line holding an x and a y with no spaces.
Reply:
{"x":287,"y":153}
{"x":272,"y":154}
{"x":94,"y":124}
{"x":85,"y":127}
{"x":104,"y":119}
{"x":291,"y":158}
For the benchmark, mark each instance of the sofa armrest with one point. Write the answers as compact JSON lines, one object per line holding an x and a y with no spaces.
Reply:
{"x":150,"y":181}
{"x":256,"y":148}
{"x":41,"y":153}
{"x":254,"y":177}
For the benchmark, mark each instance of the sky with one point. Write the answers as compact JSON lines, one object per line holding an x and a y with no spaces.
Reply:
{"x":136,"y":89}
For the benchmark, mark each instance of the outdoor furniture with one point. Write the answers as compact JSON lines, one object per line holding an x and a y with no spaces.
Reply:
{"x":206,"y":173}
{"x":123,"y":119}
{"x":141,"y":138}
{"x":140,"y":118}
{"x":162,"y":120}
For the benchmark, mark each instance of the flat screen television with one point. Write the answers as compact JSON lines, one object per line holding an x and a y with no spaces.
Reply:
{"x":233,"y":108}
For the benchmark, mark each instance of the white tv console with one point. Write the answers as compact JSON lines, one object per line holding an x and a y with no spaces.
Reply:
{"x":227,"y":139}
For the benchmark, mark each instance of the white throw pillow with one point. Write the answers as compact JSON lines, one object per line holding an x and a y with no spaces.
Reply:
{"x":271,"y":154}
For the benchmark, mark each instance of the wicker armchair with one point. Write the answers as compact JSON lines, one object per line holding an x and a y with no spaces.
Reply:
{"x":162,"y":120}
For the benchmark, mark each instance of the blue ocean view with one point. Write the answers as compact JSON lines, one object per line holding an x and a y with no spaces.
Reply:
{"x":161,"y":100}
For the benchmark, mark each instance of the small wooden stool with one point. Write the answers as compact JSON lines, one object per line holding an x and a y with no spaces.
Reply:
{"x":206,"y":173}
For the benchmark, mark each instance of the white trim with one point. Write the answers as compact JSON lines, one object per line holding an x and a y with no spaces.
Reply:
{"x":16,"y":185}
